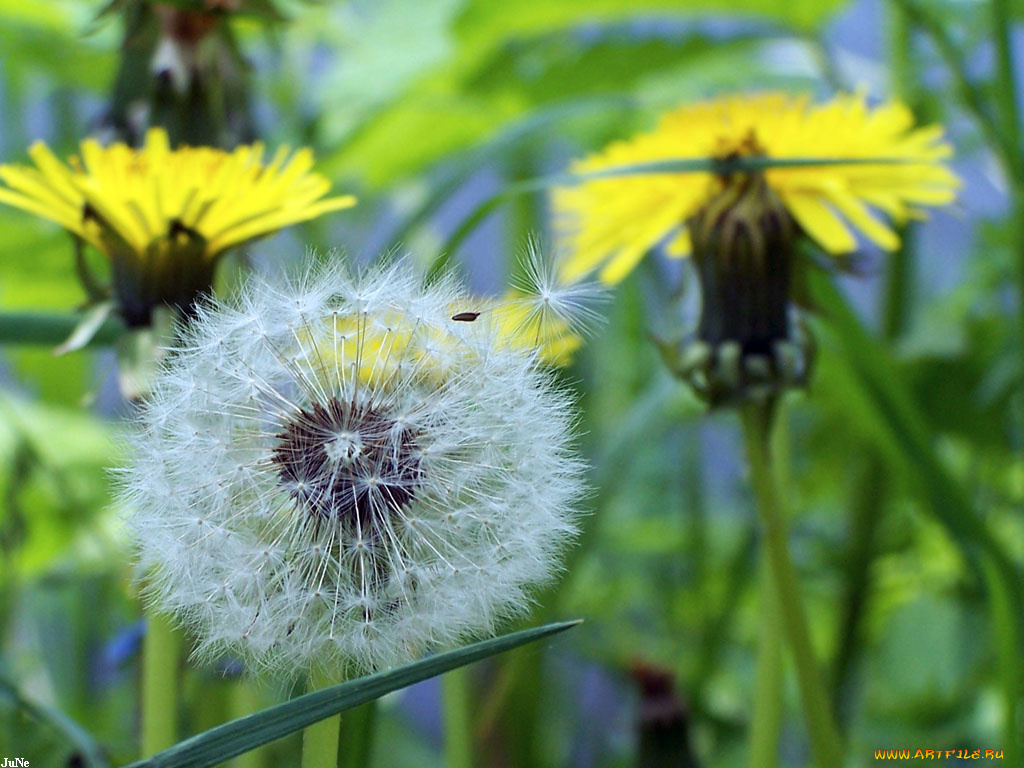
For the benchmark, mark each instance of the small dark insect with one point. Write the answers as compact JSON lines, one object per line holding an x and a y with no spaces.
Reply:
{"x":466,"y":317}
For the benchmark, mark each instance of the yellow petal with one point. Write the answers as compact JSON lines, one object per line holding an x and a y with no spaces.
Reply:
{"x":820,"y":222}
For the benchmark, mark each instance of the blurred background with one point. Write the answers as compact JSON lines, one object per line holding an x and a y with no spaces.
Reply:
{"x":910,"y":433}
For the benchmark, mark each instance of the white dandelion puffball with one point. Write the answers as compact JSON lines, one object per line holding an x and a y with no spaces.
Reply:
{"x":343,"y":472}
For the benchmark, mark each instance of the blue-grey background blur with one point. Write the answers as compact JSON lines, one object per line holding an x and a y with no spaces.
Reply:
{"x":424,"y":109}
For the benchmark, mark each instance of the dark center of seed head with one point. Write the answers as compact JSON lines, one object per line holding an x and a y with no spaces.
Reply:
{"x":348,"y":463}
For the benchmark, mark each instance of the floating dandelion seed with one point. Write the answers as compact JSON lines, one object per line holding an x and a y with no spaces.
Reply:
{"x":546,"y":311}
{"x":337,"y":473}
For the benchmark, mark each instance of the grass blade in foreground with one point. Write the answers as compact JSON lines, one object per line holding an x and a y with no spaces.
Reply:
{"x":233,"y":738}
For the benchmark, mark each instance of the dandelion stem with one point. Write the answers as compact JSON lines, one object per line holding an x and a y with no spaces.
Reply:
{"x":244,"y":699}
{"x":160,"y":654}
{"x":458,"y":739}
{"x":824,"y":736}
{"x":764,"y":731}
{"x":356,"y":740}
{"x":320,"y":740}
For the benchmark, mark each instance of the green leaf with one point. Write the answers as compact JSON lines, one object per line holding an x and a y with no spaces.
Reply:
{"x":45,"y":730}
{"x":238,"y":736}
{"x":909,"y":441}
{"x":486,"y":21}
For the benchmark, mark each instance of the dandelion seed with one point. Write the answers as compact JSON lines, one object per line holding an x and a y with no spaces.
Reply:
{"x":381,"y":478}
{"x":546,"y":311}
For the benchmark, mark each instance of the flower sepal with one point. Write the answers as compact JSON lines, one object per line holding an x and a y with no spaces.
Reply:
{"x":748,"y":344}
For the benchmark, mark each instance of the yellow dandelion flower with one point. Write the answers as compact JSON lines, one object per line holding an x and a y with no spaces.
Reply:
{"x":610,"y":223}
{"x":162,"y":216}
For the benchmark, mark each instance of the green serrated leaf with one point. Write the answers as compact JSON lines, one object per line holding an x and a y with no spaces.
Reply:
{"x":246,"y":733}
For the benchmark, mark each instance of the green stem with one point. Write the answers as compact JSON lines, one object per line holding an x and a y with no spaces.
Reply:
{"x":967,"y":90}
{"x":458,"y":734}
{"x":867,"y":504}
{"x":764,"y":731}
{"x":1008,"y":656}
{"x":51,"y":329}
{"x":160,"y":656}
{"x":1006,"y":85}
{"x":824,"y":736}
{"x":1008,"y":111}
{"x":356,"y":741}
{"x":244,"y":699}
{"x":320,"y":740}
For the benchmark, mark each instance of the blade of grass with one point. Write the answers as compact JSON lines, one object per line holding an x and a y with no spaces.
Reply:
{"x":238,"y":736}
{"x":87,"y":749}
{"x":713,"y":165}
{"x":909,"y":445}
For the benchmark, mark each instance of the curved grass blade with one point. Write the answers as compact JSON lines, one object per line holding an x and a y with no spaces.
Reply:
{"x":910,"y":446}
{"x":718,"y":166}
{"x":87,"y":749}
{"x":512,"y":136}
{"x":233,"y":738}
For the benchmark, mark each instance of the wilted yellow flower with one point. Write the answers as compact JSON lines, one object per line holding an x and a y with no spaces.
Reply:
{"x":610,"y":223}
{"x":162,"y":216}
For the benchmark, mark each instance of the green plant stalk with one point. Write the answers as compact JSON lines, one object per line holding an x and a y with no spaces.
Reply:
{"x":244,"y":699}
{"x":320,"y":740}
{"x":51,"y":329}
{"x":967,"y":91}
{"x":1008,"y":655}
{"x":355,"y":745}
{"x":824,"y":736}
{"x":1006,"y":85}
{"x":767,"y":720}
{"x":1008,"y":110}
{"x":458,"y":733}
{"x":161,"y":652}
{"x":871,"y":487}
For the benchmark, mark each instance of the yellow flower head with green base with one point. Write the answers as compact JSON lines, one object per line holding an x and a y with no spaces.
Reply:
{"x":743,"y":226}
{"x":163,"y":216}
{"x":610,"y":223}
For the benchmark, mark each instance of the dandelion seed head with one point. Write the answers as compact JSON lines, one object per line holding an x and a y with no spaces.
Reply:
{"x":333,"y":473}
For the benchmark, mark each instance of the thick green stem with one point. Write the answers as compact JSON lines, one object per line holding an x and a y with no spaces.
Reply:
{"x":244,"y":699}
{"x":1006,"y":83}
{"x":1008,"y":112}
{"x":160,"y":656}
{"x":824,"y":736}
{"x":1008,"y":656}
{"x":51,"y":329}
{"x":458,"y":734}
{"x":320,"y":740}
{"x":358,"y":726}
{"x":764,"y":731}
